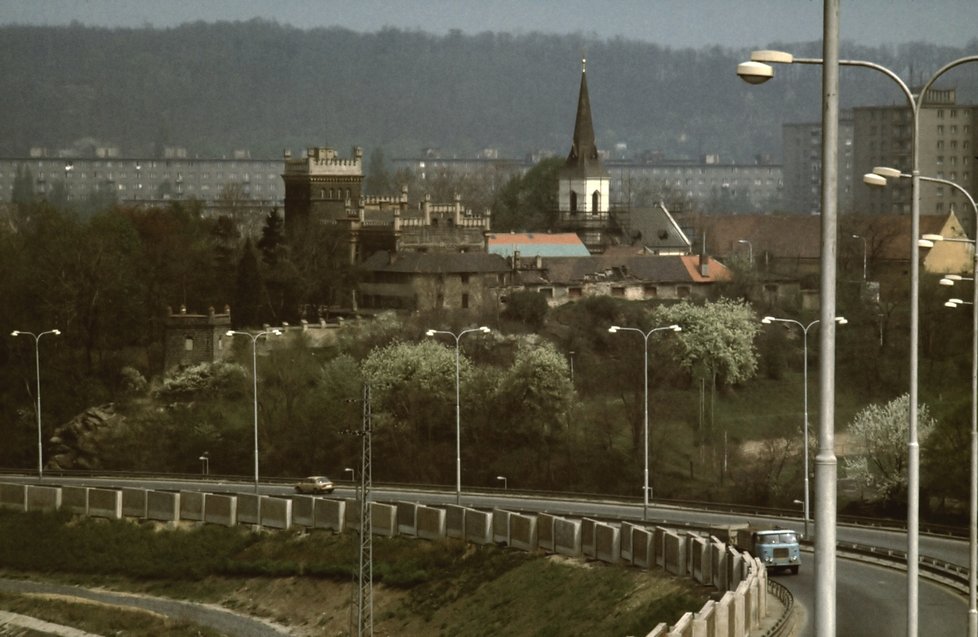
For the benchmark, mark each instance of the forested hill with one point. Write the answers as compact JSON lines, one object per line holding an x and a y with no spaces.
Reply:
{"x":257,"y":85}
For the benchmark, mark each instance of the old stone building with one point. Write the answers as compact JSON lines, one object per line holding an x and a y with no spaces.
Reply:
{"x":191,"y":339}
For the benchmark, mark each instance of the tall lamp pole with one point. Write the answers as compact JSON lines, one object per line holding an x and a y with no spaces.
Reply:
{"x":37,"y":368}
{"x":254,"y":381}
{"x":645,"y":368}
{"x":458,"y":407}
{"x":767,"y":320}
{"x":878,"y":178}
{"x":758,"y":70}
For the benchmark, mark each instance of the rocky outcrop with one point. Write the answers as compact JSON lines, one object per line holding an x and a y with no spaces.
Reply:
{"x":76,"y":444}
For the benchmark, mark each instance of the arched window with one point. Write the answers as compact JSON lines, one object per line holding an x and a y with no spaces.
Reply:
{"x":596,"y":201}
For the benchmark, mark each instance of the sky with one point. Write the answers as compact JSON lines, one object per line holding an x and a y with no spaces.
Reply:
{"x":673,"y":23}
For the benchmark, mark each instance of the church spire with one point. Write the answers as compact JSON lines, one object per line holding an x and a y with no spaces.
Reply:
{"x":584,"y":152}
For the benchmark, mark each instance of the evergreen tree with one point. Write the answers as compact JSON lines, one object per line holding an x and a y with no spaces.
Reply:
{"x":272,"y":242}
{"x":249,"y":290}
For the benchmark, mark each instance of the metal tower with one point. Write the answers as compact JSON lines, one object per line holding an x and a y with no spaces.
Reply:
{"x":364,"y":604}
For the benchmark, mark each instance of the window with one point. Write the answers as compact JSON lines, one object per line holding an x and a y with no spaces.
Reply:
{"x":618,"y":290}
{"x":188,"y":344}
{"x":651,"y":291}
{"x":465,"y":301}
{"x":683,"y":291}
{"x":465,"y":277}
{"x":596,"y":201}
{"x":575,"y":293}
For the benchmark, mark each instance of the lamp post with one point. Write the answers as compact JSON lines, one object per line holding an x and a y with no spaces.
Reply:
{"x":254,"y":381}
{"x":504,"y":481}
{"x":878,"y":178}
{"x":767,"y":320}
{"x":37,"y":368}
{"x":757,"y":71}
{"x":614,"y":329}
{"x":750,"y":252}
{"x":857,"y":236}
{"x":205,"y":463}
{"x":69,"y":166}
{"x":458,"y":408}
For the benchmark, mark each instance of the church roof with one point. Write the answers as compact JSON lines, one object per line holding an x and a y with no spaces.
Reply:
{"x":583,"y":160}
{"x":532,"y":244}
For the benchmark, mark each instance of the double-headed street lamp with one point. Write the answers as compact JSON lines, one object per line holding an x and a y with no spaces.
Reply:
{"x":254,"y":381}
{"x":878,"y":178}
{"x":757,"y":71}
{"x":645,"y":368}
{"x":458,"y":405}
{"x":37,"y":368}
{"x":767,"y":320}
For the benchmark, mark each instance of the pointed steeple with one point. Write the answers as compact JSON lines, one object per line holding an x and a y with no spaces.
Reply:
{"x":584,"y":152}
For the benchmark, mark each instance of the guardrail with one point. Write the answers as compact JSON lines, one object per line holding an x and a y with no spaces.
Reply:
{"x":785,"y":625}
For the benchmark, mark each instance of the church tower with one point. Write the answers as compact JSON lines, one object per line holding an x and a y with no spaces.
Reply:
{"x":320,"y":187}
{"x":584,"y":184}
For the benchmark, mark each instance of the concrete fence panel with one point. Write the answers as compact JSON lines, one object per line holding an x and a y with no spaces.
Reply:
{"x":329,"y":514}
{"x":220,"y":509}
{"x":704,"y":621}
{"x":74,"y":500}
{"x":455,"y":521}
{"x":523,"y":532}
{"x":567,"y":537}
{"x":738,"y":615}
{"x":478,"y":526}
{"x":626,"y":541}
{"x":683,"y":627}
{"x":276,"y":513}
{"x":304,"y":511}
{"x":721,"y":613}
{"x":675,"y":554}
{"x":735,"y":568}
{"x":134,"y":503}
{"x":643,"y":548}
{"x":13,"y":496}
{"x":407,"y":518}
{"x":697,"y":556}
{"x":545,"y":531}
{"x":105,"y":503}
{"x":432,"y":523}
{"x":587,"y":537}
{"x":607,"y":543}
{"x":660,"y":546}
{"x":383,"y":519}
{"x":500,"y":526}
{"x":43,"y":498}
{"x":192,"y":506}
{"x":163,"y":506}
{"x":661,"y":630}
{"x":352,"y":522}
{"x":248,"y":508}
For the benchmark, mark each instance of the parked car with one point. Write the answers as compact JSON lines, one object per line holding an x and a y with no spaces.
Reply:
{"x":314,"y":484}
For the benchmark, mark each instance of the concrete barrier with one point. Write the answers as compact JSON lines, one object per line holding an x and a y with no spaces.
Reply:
{"x":43,"y":498}
{"x":696,"y":555}
{"x":303,"y":511}
{"x":163,"y":506}
{"x":523,"y":532}
{"x":105,"y":503}
{"x":276,"y":513}
{"x":660,"y":546}
{"x":675,"y":554}
{"x":74,"y":500}
{"x":735,"y":568}
{"x":13,"y":496}
{"x":220,"y":509}
{"x":383,"y":519}
{"x":134,"y":503}
{"x":607,"y":543}
{"x":567,"y":537}
{"x":738,"y":614}
{"x":545,"y":531}
{"x":500,"y":526}
{"x":661,"y":630}
{"x":478,"y":526}
{"x":352,"y":517}
{"x":407,"y":518}
{"x":704,"y":621}
{"x":432,"y":523}
{"x":192,"y":506}
{"x":626,"y":541}
{"x":455,"y":521}
{"x":683,"y":627}
{"x":329,"y":514}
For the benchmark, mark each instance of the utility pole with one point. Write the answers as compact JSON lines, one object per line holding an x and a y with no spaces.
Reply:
{"x":363,"y":604}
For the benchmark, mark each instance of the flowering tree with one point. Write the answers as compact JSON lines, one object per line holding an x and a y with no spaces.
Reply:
{"x":883,"y":431}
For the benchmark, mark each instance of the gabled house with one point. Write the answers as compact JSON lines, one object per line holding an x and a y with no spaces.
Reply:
{"x":656,"y":231}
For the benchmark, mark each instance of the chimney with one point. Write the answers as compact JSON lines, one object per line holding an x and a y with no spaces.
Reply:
{"x":704,"y":265}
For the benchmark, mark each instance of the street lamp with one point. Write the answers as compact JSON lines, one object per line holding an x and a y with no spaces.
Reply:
{"x":878,"y":178}
{"x":205,"y":463}
{"x":757,"y":71}
{"x":352,"y":472}
{"x":857,"y":236}
{"x":504,"y":481}
{"x":37,"y":368}
{"x":458,"y":408}
{"x":69,"y":166}
{"x":254,"y":381}
{"x":614,"y":329}
{"x":767,"y":320}
{"x":750,"y":252}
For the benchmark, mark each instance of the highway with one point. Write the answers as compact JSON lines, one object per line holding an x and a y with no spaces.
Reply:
{"x":871,"y":599}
